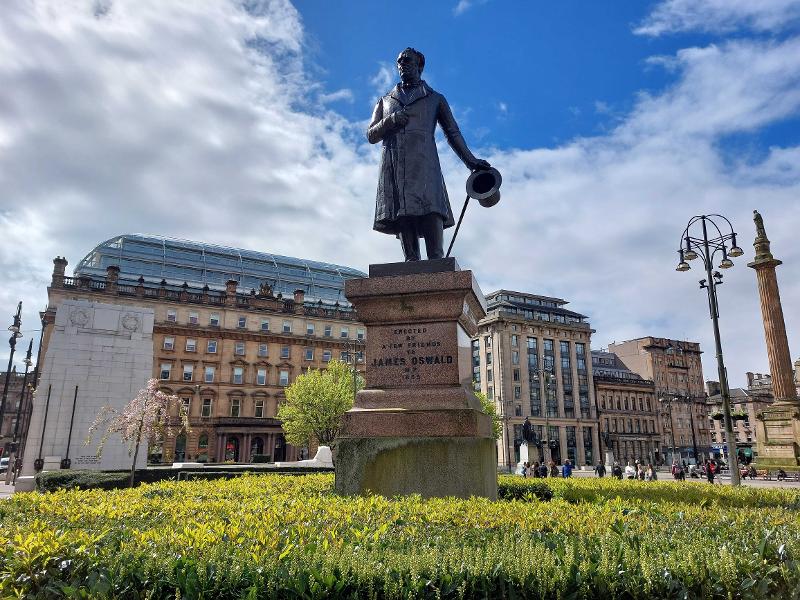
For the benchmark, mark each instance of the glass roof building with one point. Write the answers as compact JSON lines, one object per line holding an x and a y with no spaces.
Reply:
{"x":158,"y":258}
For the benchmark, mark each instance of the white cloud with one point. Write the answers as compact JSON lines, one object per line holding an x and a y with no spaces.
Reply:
{"x":384,"y":79}
{"x":198,"y":120}
{"x":345,"y":95}
{"x":720,"y":16}
{"x":464,"y":5}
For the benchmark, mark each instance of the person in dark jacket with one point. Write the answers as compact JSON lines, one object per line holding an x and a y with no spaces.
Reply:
{"x":616,"y":471}
{"x":600,"y":470}
{"x":412,"y":199}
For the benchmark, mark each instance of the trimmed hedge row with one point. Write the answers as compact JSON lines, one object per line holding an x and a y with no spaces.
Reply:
{"x":292,"y":537}
{"x":51,"y":481}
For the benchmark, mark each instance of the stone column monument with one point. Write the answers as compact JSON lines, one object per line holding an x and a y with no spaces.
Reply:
{"x":778,"y":436}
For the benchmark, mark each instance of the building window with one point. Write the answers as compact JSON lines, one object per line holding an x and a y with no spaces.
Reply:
{"x":518,"y":413}
{"x":209,"y":374}
{"x":515,"y":340}
{"x":213,"y":319}
{"x":309,"y":328}
{"x":238,"y":349}
{"x":169,"y":343}
{"x":345,"y":333}
{"x":211,"y":347}
{"x":188,"y":371}
{"x":489,"y":375}
{"x":285,"y":351}
{"x":242,"y":322}
{"x":283,"y":378}
{"x":187,"y":404}
{"x":206,"y":407}
{"x":488,"y":357}
{"x":264,"y":324}
{"x":587,"y":446}
{"x":259,"y":408}
{"x":572,"y":444}
{"x":517,"y":394}
{"x":262,"y":350}
{"x":309,"y":354}
{"x":487,"y":341}
{"x":328,"y":331}
{"x":514,"y":357}
{"x":326,"y":356}
{"x":235,"y":405}
{"x":166,"y":371}
{"x":191,"y":345}
{"x":172,"y":315}
{"x":360,"y":334}
{"x":490,"y":393}
{"x":261,"y":377}
{"x":194,"y":318}
{"x":238,"y":375}
{"x":287,"y":327}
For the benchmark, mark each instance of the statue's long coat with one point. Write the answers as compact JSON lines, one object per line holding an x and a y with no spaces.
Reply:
{"x":410,"y":182}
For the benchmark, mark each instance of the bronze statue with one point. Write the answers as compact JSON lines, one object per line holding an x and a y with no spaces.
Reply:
{"x":412,"y":199}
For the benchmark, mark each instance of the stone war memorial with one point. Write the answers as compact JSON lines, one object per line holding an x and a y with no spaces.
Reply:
{"x":417,"y":427}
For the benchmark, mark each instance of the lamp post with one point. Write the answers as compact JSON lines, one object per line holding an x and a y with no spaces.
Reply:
{"x":668,"y":413}
{"x":14,"y":328}
{"x":690,"y":248}
{"x":548,"y":377}
{"x":11,"y":471}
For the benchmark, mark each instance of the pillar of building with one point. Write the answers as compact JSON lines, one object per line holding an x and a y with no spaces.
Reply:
{"x":778,"y":436}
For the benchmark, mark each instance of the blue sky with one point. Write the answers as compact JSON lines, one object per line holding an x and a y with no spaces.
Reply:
{"x":241,"y":122}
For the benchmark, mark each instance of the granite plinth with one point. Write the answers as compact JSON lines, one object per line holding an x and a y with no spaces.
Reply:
{"x":417,"y":427}
{"x":436,"y":265}
{"x":431,"y":467}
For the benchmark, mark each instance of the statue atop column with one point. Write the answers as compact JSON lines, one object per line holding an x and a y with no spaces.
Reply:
{"x":412,"y":199}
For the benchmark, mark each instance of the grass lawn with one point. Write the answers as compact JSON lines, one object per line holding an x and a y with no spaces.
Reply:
{"x":270,"y":536}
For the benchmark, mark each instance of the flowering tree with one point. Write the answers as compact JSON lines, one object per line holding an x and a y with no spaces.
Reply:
{"x":145,"y":417}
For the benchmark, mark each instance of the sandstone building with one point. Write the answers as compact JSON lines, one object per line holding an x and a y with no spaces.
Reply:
{"x":232,"y":329}
{"x":676,"y":371}
{"x":525,"y":342}
{"x":628,"y":410}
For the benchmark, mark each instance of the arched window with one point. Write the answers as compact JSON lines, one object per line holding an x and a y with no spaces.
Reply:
{"x":232,"y":449}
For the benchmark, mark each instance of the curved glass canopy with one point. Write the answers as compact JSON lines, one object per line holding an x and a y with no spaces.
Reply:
{"x":199,"y":264}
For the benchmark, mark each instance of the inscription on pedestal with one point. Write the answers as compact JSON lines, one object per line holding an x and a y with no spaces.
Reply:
{"x":402,"y":355}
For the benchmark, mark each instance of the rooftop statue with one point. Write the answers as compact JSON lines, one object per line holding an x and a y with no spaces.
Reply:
{"x":412,"y":199}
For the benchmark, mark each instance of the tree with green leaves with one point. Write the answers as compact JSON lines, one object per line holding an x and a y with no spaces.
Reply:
{"x":316,"y":402}
{"x":489,"y":408}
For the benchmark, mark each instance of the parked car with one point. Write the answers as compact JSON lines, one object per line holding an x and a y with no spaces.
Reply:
{"x":3,"y":464}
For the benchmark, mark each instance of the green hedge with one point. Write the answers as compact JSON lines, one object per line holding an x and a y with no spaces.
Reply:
{"x":50,"y":481}
{"x":293,"y":537}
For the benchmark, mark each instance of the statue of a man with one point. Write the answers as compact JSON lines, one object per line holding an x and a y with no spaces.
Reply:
{"x":412,"y":199}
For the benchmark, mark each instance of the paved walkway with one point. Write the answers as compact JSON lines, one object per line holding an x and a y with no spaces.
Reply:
{"x":6,"y":491}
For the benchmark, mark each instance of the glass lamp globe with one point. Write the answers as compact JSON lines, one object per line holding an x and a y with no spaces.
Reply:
{"x":683,"y":266}
{"x":689,"y":254}
{"x":735,"y":251}
{"x":726,"y":263}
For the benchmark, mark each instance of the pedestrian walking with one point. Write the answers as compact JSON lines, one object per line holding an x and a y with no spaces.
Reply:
{"x":600,"y":470}
{"x":566,"y":469}
{"x":711,"y":470}
{"x":650,"y":474}
{"x":616,"y":471}
{"x":553,"y":469}
{"x":543,"y":470}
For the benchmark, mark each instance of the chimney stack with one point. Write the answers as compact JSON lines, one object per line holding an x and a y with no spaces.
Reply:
{"x":59,"y":268}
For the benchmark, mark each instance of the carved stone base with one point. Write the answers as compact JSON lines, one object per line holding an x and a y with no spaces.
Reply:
{"x":779,"y":437}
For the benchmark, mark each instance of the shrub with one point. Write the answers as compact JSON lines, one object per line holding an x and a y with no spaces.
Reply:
{"x":268,"y":536}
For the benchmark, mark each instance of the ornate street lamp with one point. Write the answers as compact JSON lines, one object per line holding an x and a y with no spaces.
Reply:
{"x":690,"y":248}
{"x":14,"y":328}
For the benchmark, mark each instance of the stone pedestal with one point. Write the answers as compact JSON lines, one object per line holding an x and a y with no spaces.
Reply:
{"x":417,"y":427}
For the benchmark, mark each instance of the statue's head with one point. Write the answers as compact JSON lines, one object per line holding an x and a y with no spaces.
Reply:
{"x":410,"y":64}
